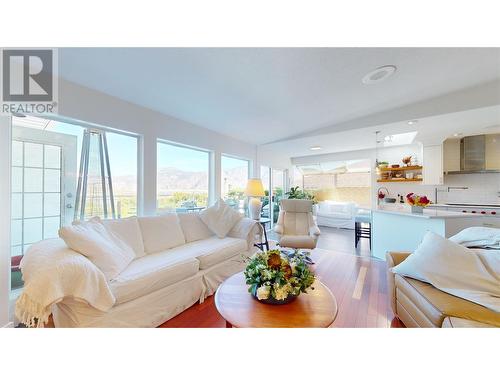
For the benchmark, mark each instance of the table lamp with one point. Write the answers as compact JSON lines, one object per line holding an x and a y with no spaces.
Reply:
{"x":254,"y":191}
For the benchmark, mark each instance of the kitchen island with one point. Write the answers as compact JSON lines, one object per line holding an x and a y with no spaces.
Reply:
{"x":396,"y":228}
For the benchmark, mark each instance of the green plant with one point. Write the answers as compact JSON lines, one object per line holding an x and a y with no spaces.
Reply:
{"x":296,"y":193}
{"x":269,"y":274}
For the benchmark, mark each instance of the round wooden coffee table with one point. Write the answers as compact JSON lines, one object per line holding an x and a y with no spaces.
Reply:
{"x":316,"y":308}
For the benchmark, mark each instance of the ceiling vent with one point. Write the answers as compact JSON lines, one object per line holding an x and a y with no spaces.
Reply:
{"x":378,"y":75}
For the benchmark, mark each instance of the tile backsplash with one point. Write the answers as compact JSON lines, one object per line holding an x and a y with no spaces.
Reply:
{"x":482,"y":188}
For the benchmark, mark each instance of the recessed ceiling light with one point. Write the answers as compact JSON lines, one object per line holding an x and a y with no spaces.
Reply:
{"x":378,"y":75}
{"x":457,"y":134}
{"x":412,"y":122}
{"x":315,"y":148}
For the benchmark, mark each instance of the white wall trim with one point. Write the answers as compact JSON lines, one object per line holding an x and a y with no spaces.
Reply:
{"x":5,"y":173}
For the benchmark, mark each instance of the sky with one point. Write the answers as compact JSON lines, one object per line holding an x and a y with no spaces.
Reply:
{"x":123,"y":153}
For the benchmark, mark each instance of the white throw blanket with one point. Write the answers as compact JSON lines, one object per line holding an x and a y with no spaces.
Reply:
{"x":473,"y":275}
{"x":484,"y":237}
{"x":51,"y":272}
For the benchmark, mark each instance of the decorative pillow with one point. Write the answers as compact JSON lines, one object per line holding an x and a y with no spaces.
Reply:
{"x":129,"y":231}
{"x":161,"y":233}
{"x":193,"y":227}
{"x":220,"y":218}
{"x":91,"y":239}
{"x":483,"y":237}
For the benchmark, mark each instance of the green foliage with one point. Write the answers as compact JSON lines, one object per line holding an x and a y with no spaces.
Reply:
{"x":182,"y":199}
{"x":269,"y":274}
{"x":296,"y":193}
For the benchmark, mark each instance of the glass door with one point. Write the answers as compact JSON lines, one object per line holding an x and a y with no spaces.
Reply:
{"x":278,"y":187}
{"x":42,"y":193}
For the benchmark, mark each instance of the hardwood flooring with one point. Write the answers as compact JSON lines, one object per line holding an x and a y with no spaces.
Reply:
{"x":358,"y":283}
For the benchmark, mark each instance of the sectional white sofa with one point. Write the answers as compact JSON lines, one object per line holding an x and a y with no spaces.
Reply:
{"x":178,"y":262}
{"x":336,"y":214}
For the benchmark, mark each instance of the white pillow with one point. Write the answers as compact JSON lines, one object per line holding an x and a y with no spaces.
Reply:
{"x":129,"y":231}
{"x":220,"y":218}
{"x":484,"y":237}
{"x":161,"y":233}
{"x":193,"y":227}
{"x":91,"y":239}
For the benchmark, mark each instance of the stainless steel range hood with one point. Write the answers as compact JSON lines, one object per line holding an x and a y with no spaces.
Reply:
{"x":479,"y":154}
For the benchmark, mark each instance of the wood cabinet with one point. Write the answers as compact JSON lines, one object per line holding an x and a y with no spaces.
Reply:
{"x":492,"y":151}
{"x":451,"y":155}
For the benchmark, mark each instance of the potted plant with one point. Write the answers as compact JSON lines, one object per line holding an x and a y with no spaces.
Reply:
{"x":417,"y":202}
{"x":276,"y":279}
{"x":296,"y":193}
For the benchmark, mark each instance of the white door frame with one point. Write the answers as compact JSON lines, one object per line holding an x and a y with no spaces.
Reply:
{"x":5,"y":187}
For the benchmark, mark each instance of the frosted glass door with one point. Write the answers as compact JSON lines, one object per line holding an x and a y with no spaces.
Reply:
{"x":36,"y":193}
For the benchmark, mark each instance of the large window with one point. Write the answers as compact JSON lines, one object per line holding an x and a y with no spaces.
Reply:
{"x":235,"y":174}
{"x":46,"y":157}
{"x":183,"y":178}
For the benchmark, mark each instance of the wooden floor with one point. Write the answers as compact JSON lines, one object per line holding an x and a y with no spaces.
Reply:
{"x":358,"y":283}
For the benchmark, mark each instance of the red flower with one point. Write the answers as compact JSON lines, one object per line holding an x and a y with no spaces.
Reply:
{"x":424,"y":200}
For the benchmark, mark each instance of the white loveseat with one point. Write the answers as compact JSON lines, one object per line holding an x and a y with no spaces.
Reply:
{"x":336,"y":214}
{"x":178,"y":262}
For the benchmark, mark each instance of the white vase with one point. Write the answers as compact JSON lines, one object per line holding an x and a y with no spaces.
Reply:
{"x":254,"y":207}
{"x":417,"y":209}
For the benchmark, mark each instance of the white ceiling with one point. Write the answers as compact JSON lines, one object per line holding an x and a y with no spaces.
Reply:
{"x":262,"y":95}
{"x":430,"y":130}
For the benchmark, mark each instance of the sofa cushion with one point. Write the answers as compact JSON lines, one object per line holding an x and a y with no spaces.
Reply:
{"x":129,"y":231}
{"x":160,"y":233}
{"x":436,"y":305}
{"x":334,"y":215}
{"x":298,"y":242}
{"x":220,"y":218}
{"x":213,"y":250}
{"x":193,"y":227}
{"x":152,"y":272}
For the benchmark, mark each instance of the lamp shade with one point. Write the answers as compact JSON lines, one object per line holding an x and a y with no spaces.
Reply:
{"x":254,"y":188}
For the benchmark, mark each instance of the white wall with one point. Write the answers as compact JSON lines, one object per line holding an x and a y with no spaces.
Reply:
{"x":5,"y":144}
{"x":84,"y":104}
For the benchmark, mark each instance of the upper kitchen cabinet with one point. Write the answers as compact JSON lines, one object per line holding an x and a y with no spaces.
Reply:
{"x":433,"y":165}
{"x":492,"y":151}
{"x":451,"y":154}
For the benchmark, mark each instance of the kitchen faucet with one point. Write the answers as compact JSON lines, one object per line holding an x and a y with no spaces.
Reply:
{"x":379,"y":190}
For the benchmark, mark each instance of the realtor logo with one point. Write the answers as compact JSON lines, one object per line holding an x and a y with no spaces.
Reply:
{"x":28,"y":80}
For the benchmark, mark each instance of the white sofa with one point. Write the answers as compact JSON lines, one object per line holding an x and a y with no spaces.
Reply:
{"x":178,"y":262}
{"x":336,"y":214}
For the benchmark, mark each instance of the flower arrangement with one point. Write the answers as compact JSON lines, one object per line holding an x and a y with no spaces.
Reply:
{"x":417,"y":200}
{"x":276,"y":279}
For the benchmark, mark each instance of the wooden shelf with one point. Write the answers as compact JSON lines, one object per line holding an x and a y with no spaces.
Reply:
{"x":405,"y":180}
{"x":409,"y":168}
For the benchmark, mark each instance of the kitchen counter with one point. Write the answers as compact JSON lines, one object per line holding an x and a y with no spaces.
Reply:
{"x":396,"y":228}
{"x":429,"y":213}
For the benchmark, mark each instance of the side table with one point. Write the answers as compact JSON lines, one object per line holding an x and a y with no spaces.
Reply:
{"x":263,"y":221}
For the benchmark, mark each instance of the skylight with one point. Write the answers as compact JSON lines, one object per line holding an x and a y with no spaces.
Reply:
{"x":399,"y":139}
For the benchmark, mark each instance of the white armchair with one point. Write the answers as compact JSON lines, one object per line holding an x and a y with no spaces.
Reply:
{"x":296,"y":227}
